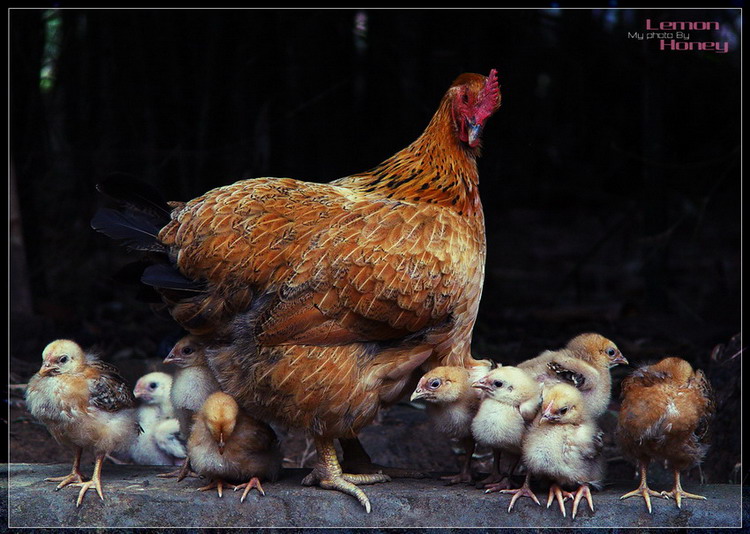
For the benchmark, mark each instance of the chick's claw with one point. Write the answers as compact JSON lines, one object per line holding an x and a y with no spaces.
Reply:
{"x":556,"y":492}
{"x":583,"y":491}
{"x":74,"y":477}
{"x":523,"y":491}
{"x":250,"y":484}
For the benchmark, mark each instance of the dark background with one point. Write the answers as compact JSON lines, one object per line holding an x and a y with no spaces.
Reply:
{"x":610,"y":176}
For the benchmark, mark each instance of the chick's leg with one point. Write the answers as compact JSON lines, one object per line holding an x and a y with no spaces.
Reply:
{"x":503,"y":481}
{"x":327,"y":474}
{"x":561,"y":496}
{"x":218,"y":483}
{"x":523,"y":491}
{"x":465,"y":475}
{"x":95,"y":481}
{"x":643,"y":490}
{"x":583,"y":491}
{"x":75,"y":475}
{"x":250,"y":484}
{"x":678,"y":493}
{"x":356,"y":460}
{"x":182,"y":472}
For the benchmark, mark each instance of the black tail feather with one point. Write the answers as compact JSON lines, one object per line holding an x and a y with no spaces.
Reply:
{"x":165,"y":276}
{"x":135,"y":230}
{"x":136,"y":195}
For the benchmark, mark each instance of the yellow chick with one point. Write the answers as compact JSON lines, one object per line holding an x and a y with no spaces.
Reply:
{"x":451,"y":405}
{"x":227,"y":444}
{"x":565,"y":445}
{"x":511,"y":399}
{"x":84,"y":403}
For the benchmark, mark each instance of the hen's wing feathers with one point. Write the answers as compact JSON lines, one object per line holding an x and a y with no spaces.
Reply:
{"x":108,"y":390}
{"x":333,"y":268}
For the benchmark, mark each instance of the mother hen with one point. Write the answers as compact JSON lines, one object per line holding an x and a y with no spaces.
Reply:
{"x":317,"y":302}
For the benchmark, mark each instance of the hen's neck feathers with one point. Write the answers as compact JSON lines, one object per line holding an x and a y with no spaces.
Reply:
{"x":437,"y":168}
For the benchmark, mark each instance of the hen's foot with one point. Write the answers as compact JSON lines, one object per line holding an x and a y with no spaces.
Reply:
{"x":583,"y":491}
{"x":250,"y":484}
{"x":328,"y":474}
{"x":369,"y":468}
{"x":523,"y":491}
{"x":644,"y":491}
{"x":556,"y":492}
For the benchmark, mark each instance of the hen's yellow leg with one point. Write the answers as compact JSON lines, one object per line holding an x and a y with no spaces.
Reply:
{"x":75,"y":475}
{"x":327,"y":474}
{"x":356,"y":460}
{"x":678,"y":493}
{"x":643,"y":490}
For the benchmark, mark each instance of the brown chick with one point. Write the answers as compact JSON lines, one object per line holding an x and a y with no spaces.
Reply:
{"x":511,"y":399}
{"x":84,"y":403}
{"x":451,"y":405}
{"x":191,"y":386}
{"x":565,"y":445}
{"x":664,"y":415}
{"x":584,"y":362}
{"x":227,"y":444}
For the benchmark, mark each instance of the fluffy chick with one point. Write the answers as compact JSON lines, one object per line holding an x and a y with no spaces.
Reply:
{"x":511,"y":399}
{"x":664,"y":415}
{"x":191,"y":386}
{"x":227,"y":444}
{"x":584,"y":362}
{"x":565,"y":445}
{"x":159,"y":443}
{"x":84,"y":403}
{"x":451,"y":405}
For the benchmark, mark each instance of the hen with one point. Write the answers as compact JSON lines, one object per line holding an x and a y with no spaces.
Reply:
{"x":228,"y":444}
{"x":584,"y":362}
{"x":664,"y":415}
{"x":319,"y":301}
{"x":84,"y":403}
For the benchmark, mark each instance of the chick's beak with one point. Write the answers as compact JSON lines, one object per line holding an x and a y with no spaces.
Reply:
{"x":547,"y":414}
{"x":48,"y":370}
{"x":481,"y":384}
{"x":619,"y":359}
{"x":221,"y":443}
{"x":171,"y":358}
{"x":418,"y":394}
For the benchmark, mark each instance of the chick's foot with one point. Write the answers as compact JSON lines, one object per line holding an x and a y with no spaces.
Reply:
{"x":583,"y":491}
{"x":523,"y":491}
{"x":250,"y":484}
{"x":557,"y":492}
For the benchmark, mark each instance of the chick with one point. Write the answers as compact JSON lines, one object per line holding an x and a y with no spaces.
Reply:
{"x":565,"y":445}
{"x":192,"y":384}
{"x":227,"y":444}
{"x":584,"y":362}
{"x":451,"y":405}
{"x":511,"y":399}
{"x":664,"y":415}
{"x":159,"y":442}
{"x":84,"y":403}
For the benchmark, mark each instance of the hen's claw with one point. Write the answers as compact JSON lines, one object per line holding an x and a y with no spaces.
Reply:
{"x":677,"y":493}
{"x":643,"y":490}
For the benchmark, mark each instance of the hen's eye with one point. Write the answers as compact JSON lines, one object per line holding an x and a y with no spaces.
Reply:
{"x":187,"y":350}
{"x":498,"y":384}
{"x":435,"y":383}
{"x":63,"y":359}
{"x":153,"y":385}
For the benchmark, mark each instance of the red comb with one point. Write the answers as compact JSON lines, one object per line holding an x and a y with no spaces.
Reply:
{"x":491,"y":88}
{"x":488,"y":99}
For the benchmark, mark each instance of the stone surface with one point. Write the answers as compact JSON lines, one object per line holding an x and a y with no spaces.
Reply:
{"x":134,"y":497}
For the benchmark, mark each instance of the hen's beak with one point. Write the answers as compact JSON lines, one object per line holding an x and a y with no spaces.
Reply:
{"x":475,"y":131}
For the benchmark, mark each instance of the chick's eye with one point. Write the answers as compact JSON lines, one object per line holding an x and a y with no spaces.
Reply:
{"x":63,"y":359}
{"x":153,"y":385}
{"x":611,"y":351}
{"x":563,"y":410}
{"x":435,"y":383}
{"x":187,"y":350}
{"x":498,"y":384}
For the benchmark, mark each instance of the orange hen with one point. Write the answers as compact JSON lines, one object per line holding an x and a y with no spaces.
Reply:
{"x":317,"y":302}
{"x":665,"y":411}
